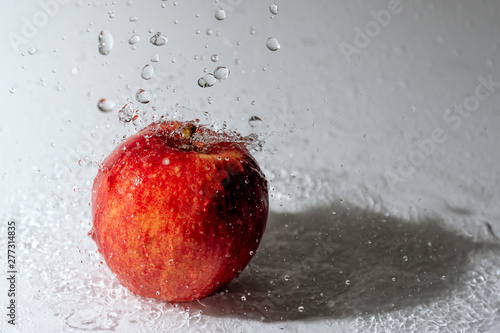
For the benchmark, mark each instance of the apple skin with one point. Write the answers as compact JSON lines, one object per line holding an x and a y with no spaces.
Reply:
{"x":178,"y":220}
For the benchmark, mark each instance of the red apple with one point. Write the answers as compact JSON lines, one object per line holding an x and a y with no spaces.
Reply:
{"x":179,"y":210}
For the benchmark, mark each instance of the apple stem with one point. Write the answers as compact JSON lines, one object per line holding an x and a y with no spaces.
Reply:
{"x":189,"y":130}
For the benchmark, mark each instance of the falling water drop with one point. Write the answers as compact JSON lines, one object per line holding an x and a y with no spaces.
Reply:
{"x":126,"y":112}
{"x":159,"y":39}
{"x":273,"y":44}
{"x":105,"y":105}
{"x":147,"y":72}
{"x":221,"y":73}
{"x":142,"y":96}
{"x":134,"y":39}
{"x":155,"y":57}
{"x":105,"y":42}
{"x":274,"y":9}
{"x":220,"y":14}
{"x":254,"y":121}
{"x":207,"y":81}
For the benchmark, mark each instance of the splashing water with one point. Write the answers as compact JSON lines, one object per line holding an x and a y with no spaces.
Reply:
{"x":221,"y":73}
{"x":105,"y":42}
{"x":147,"y":72}
{"x":273,"y":44}
{"x":273,"y":8}
{"x":105,"y":105}
{"x":158,"y":39}
{"x":220,"y":14}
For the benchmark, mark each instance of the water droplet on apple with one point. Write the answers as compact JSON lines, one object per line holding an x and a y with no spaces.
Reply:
{"x":165,"y":161}
{"x":105,"y":42}
{"x":254,"y":121}
{"x":159,"y":39}
{"x":171,"y":262}
{"x":220,"y":14}
{"x":243,"y":298}
{"x":221,"y":73}
{"x":142,"y":96}
{"x":301,"y":309}
{"x":207,"y":81}
{"x":155,"y":57}
{"x":147,"y":72}
{"x":273,"y":44}
{"x":251,"y":253}
{"x":274,"y":9}
{"x":287,"y":278}
{"x":134,"y":39}
{"x":347,"y":282}
{"x":105,"y":105}
{"x":157,"y":293}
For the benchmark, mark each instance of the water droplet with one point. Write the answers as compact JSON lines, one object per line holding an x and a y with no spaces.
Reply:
{"x":273,"y":44}
{"x":171,"y":261}
{"x":210,"y":100}
{"x":287,"y":278}
{"x":301,"y":309}
{"x":111,"y":14}
{"x":347,"y":282}
{"x":31,"y":50}
{"x":405,"y":258}
{"x":157,"y":293}
{"x":165,"y":161}
{"x":147,"y":72}
{"x":142,"y":96}
{"x":12,"y":90}
{"x":393,"y":279}
{"x":254,"y":121}
{"x":207,"y":81}
{"x":220,"y":14}
{"x":443,"y":277}
{"x":134,"y":39}
{"x":214,"y":57}
{"x":105,"y":105}
{"x":243,"y":298}
{"x":158,"y":39}
{"x":136,"y":120}
{"x":126,"y":112}
{"x":105,"y":42}
{"x":274,"y":9}
{"x":132,"y":18}
{"x":251,"y":253}
{"x":155,"y":57}
{"x":221,"y":73}
{"x":209,"y":31}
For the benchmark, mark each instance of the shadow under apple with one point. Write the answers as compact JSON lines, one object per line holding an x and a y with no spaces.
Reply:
{"x":335,"y":262}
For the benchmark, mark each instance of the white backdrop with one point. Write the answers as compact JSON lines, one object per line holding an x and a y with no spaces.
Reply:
{"x":381,"y":126}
